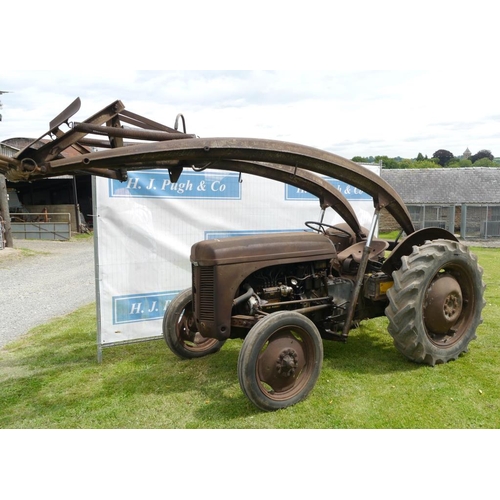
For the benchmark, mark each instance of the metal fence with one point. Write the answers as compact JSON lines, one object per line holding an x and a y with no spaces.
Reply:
{"x":432,"y":216}
{"x":481,"y":221}
{"x":41,"y":226}
{"x":470,"y":221}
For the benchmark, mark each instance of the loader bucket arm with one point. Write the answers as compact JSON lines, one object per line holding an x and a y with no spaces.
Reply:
{"x":174,"y":150}
{"x":201,"y":152}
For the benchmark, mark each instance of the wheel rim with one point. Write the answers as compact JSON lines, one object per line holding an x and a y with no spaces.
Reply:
{"x":188,"y":334}
{"x":448,"y":306}
{"x":285,"y":363}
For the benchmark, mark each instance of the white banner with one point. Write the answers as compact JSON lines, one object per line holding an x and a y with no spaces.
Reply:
{"x":144,"y":229}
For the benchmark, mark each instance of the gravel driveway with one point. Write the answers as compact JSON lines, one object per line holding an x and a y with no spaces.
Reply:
{"x":51,"y":279}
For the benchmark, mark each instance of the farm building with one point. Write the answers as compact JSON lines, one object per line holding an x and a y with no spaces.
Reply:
{"x":465,"y":201}
{"x":63,"y":197}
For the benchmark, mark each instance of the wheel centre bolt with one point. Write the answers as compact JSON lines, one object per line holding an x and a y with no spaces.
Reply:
{"x":287,"y":362}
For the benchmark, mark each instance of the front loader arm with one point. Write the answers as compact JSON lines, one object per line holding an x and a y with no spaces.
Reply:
{"x":168,"y":148}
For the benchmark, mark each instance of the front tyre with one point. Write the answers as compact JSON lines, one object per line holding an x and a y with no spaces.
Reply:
{"x":280,"y":360}
{"x":436,"y":302}
{"x":180,"y":332}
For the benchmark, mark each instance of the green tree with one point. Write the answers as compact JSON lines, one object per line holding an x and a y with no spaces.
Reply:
{"x":443,"y":156}
{"x":426,"y":164}
{"x":420,"y":157}
{"x":484,"y":153}
{"x":406,"y":163}
{"x":453,"y":163}
{"x":387,"y":162}
{"x":484,"y":162}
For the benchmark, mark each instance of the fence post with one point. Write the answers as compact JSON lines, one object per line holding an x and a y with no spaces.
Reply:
{"x":451,"y":219}
{"x":4,"y":211}
{"x":463,"y":222}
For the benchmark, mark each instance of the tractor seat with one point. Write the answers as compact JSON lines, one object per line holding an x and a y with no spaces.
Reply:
{"x":355,"y":252}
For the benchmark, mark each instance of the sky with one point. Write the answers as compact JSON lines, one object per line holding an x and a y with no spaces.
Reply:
{"x":354,"y":78}
{"x":347,"y":112}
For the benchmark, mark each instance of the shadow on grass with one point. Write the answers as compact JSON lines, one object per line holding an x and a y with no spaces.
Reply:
{"x":209,"y":383}
{"x":54,"y":380}
{"x":214,"y":379}
{"x":369,"y":350}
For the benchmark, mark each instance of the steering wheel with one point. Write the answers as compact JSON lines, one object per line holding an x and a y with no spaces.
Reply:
{"x":317,"y":226}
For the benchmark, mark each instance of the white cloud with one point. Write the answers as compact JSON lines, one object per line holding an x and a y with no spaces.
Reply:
{"x":367,"y":113}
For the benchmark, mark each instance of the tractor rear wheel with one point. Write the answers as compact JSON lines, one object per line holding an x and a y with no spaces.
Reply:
{"x":436,"y":302}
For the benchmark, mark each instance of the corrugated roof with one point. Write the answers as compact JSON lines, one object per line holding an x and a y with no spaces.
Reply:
{"x":8,"y":150}
{"x":454,"y":186}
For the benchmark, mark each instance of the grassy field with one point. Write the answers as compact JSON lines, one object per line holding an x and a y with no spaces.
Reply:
{"x":51,"y":379}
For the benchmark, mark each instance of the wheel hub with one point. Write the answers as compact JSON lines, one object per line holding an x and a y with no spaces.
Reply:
{"x":287,"y":362}
{"x":443,"y":305}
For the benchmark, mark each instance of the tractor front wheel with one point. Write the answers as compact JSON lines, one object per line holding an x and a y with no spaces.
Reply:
{"x":180,"y":331}
{"x":280,"y":360}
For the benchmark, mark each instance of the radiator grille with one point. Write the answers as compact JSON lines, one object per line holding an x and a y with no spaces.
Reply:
{"x":206,"y":293}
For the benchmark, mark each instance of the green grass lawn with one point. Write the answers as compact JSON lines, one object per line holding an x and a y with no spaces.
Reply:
{"x":51,"y":379}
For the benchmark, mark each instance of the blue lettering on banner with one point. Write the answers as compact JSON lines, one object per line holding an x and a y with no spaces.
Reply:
{"x":141,"y":307}
{"x":215,"y":235}
{"x":190,"y":185}
{"x":350,"y":192}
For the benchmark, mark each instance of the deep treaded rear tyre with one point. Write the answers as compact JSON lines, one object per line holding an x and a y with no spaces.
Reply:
{"x":436,"y":302}
{"x":180,"y":332}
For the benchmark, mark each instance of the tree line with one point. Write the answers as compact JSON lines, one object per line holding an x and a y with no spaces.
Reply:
{"x":441,"y":158}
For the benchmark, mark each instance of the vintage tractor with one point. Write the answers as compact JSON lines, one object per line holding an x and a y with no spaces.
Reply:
{"x":285,"y":293}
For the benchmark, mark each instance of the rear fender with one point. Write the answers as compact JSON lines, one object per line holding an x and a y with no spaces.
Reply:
{"x":417,"y":238}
